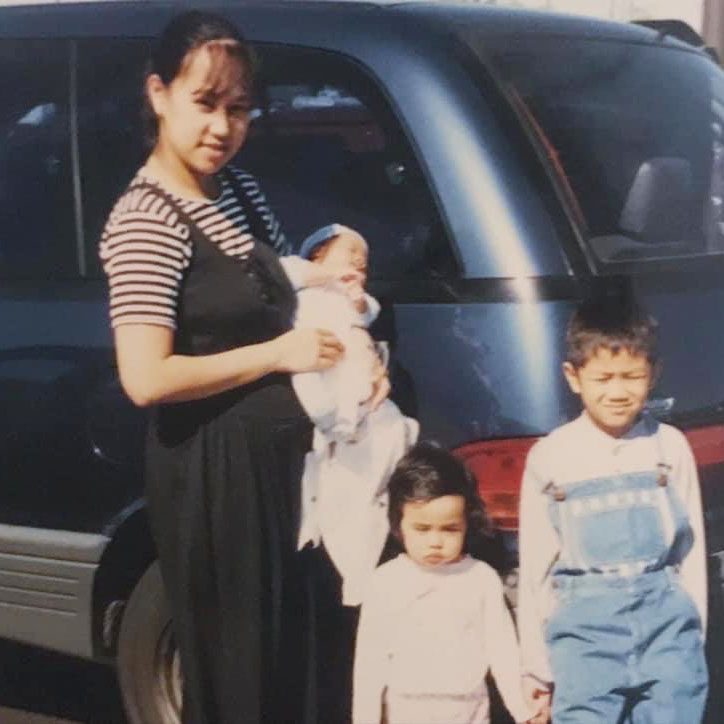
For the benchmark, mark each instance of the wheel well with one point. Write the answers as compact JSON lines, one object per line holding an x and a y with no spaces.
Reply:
{"x":125,"y":559}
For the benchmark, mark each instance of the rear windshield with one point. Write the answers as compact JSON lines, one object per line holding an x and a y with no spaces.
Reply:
{"x":636,"y":133}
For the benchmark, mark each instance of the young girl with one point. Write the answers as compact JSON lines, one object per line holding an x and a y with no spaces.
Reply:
{"x":434,"y":620}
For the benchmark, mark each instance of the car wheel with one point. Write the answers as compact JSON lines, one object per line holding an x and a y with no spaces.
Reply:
{"x":149,"y":669}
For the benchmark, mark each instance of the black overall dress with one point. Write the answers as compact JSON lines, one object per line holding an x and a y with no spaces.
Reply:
{"x":223,"y":478}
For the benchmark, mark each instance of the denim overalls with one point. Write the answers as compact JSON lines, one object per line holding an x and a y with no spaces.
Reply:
{"x":625,"y":640}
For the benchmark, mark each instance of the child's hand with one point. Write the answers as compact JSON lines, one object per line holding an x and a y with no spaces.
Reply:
{"x":317,"y":275}
{"x":540,"y":700}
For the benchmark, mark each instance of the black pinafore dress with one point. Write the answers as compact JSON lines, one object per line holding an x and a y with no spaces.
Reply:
{"x":222,"y":487}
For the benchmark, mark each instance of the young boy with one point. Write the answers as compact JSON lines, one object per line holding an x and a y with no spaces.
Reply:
{"x":612,"y":596}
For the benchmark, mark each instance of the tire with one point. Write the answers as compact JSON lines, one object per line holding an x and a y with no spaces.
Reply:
{"x":149,"y":671}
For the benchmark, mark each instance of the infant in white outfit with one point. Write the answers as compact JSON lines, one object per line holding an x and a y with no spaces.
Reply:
{"x":344,"y":489}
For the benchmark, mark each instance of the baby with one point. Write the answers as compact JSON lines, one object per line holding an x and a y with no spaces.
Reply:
{"x":344,"y":488}
{"x":335,"y":399}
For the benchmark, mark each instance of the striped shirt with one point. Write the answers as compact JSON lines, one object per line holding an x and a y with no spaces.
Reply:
{"x":146,"y":248}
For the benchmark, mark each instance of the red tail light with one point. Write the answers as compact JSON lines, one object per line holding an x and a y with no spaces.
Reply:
{"x":707,"y":444}
{"x":498,"y":466}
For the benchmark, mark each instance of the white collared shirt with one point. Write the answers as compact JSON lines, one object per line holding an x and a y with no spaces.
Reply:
{"x":426,"y":640}
{"x":581,"y":451}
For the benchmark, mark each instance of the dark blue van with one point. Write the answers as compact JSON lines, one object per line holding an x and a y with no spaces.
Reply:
{"x":501,"y":164}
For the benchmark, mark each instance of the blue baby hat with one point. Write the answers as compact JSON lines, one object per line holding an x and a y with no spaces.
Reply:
{"x":319,"y":237}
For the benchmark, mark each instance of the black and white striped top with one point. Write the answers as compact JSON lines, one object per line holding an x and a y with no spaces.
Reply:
{"x":145,"y":247}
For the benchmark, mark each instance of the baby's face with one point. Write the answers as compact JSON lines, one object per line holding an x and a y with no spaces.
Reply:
{"x":347,"y":249}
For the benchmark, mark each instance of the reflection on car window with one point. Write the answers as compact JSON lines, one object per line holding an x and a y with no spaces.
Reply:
{"x":326,"y":148}
{"x":110,"y":80}
{"x":633,"y":130}
{"x":37,"y":234}
{"x":40,"y":115}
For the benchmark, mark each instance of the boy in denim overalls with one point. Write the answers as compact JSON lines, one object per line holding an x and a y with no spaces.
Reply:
{"x":612,"y":596}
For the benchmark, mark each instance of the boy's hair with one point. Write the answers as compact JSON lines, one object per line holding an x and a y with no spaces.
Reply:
{"x":428,"y":471}
{"x":614,"y":323}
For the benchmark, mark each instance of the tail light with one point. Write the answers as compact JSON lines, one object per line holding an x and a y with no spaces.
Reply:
{"x":498,"y":466}
{"x":707,"y":444}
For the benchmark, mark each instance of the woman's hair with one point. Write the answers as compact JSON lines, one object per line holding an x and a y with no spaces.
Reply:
{"x":428,"y":471}
{"x":185,"y":34}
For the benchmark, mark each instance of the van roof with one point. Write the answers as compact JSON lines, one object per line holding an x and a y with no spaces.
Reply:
{"x":42,"y":19}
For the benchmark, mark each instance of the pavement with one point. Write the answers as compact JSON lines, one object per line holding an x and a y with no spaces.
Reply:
{"x":13,"y":716}
{"x":42,"y":687}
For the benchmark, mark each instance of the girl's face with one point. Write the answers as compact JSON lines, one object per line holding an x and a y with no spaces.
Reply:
{"x":433,"y":531}
{"x":203,"y":113}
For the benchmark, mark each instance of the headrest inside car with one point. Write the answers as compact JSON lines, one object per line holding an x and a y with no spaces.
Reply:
{"x":657,"y":206}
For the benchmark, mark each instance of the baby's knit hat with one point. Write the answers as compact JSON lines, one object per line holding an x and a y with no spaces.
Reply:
{"x":319,"y":237}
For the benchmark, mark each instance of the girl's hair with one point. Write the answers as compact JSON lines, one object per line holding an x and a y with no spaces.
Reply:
{"x":181,"y":37}
{"x":428,"y":471}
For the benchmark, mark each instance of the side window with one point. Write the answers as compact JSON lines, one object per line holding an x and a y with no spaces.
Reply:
{"x":327,"y":148}
{"x":37,"y":227}
{"x":110,"y":78}
{"x":636,"y":133}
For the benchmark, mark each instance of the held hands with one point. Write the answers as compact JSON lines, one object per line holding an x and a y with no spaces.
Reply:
{"x":307,"y":350}
{"x":539,"y":700}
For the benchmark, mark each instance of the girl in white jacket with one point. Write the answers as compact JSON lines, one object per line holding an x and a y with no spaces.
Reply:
{"x":434,"y":620}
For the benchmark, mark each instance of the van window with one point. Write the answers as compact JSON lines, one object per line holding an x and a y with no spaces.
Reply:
{"x":111,"y":146}
{"x":326,"y":148}
{"x":37,"y":232}
{"x":636,"y":133}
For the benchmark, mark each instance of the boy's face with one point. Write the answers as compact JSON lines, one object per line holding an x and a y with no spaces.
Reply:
{"x":347,"y":249}
{"x":613,"y":388}
{"x":433,"y":531}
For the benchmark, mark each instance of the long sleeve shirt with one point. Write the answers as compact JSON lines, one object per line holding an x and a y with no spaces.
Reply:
{"x":426,"y":640}
{"x":580,"y":451}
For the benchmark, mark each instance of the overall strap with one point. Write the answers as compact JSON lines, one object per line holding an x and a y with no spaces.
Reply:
{"x":257,"y":225}
{"x":662,"y":467}
{"x":156,"y":190}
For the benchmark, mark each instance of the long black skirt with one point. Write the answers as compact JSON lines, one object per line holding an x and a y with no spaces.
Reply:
{"x":223,"y":492}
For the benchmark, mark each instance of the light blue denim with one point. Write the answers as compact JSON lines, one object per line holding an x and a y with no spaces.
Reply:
{"x":625,"y":640}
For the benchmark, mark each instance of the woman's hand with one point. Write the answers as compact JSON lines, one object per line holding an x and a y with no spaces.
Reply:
{"x":151,"y":373}
{"x":380,"y":384}
{"x":307,"y":350}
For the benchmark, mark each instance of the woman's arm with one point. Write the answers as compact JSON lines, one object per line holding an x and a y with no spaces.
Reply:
{"x":151,"y":373}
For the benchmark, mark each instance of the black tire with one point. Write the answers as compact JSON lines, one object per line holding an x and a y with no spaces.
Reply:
{"x":149,"y":672}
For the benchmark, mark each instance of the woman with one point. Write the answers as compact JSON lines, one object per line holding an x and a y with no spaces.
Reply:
{"x":201,"y":310}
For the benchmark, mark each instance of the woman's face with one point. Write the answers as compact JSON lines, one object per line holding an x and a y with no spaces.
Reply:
{"x":203,"y":113}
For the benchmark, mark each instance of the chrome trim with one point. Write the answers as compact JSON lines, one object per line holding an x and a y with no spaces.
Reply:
{"x":75,"y":160}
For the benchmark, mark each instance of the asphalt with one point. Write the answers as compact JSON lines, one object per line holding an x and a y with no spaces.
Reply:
{"x":41,"y":687}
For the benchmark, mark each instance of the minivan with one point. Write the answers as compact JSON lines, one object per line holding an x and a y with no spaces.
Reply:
{"x":502,"y":165}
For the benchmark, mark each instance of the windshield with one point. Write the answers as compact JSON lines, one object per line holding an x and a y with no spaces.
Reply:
{"x":636,"y":133}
